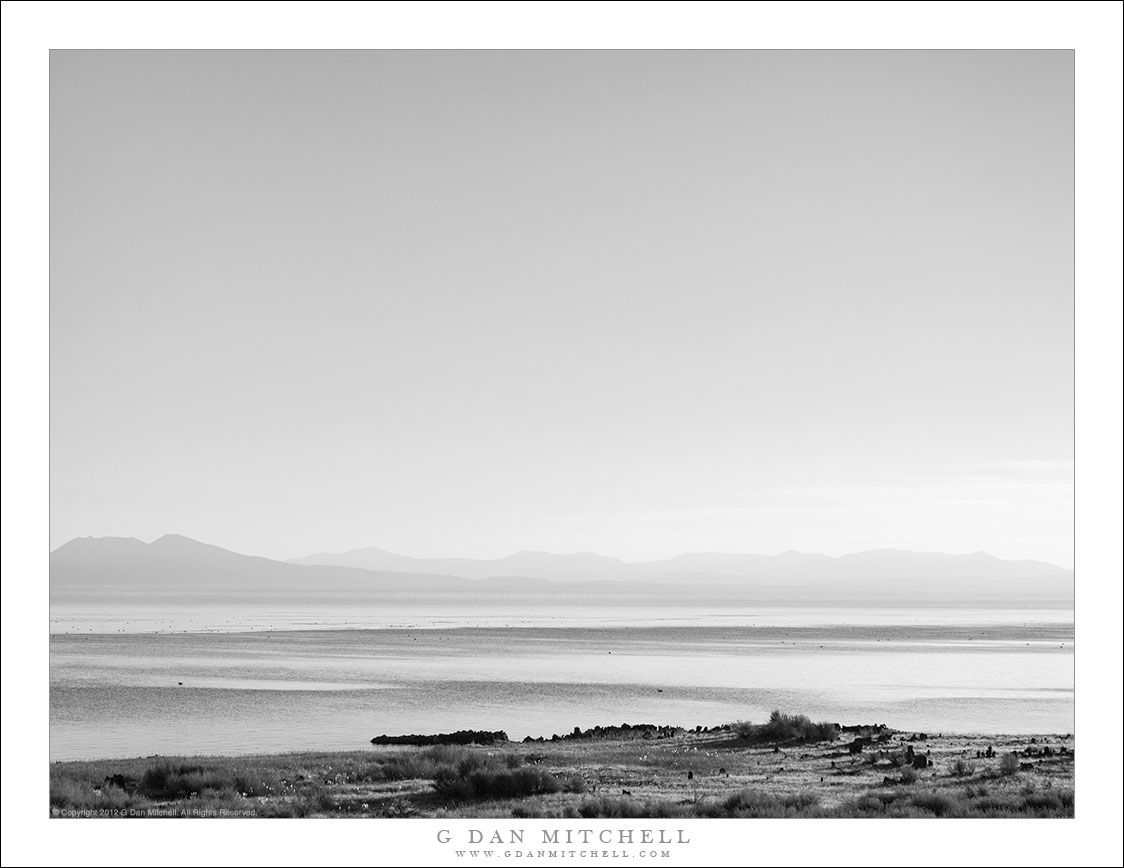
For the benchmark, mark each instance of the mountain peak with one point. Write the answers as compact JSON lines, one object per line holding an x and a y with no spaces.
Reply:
{"x":170,"y":538}
{"x":179,"y":541}
{"x":83,"y":543}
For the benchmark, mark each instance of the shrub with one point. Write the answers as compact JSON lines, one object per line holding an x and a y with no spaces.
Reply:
{"x":786,"y":728}
{"x":909,"y":776}
{"x":962,"y":769}
{"x":400,"y":808}
{"x":167,"y":780}
{"x":426,"y":763}
{"x":621,"y":807}
{"x":524,"y":811}
{"x":862,"y":806}
{"x":752,"y":803}
{"x":493,"y":782}
{"x":939,"y":804}
{"x":572,"y":783}
{"x":1009,"y":764}
{"x":446,"y":753}
{"x":406,"y":768}
{"x":1052,"y":802}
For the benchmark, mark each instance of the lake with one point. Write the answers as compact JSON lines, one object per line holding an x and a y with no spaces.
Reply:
{"x":231,"y":676}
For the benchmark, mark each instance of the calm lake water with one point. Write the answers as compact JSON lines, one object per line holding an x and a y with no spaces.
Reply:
{"x":299,"y":675}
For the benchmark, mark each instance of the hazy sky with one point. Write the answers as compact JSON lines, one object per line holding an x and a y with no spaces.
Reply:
{"x":638,"y":303}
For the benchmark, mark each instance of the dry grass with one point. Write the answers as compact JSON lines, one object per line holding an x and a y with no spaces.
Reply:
{"x":713,"y":774}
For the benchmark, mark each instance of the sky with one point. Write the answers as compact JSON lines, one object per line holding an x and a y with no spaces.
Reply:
{"x":638,"y":303}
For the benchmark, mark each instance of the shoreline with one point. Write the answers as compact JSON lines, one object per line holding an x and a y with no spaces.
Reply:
{"x":710,"y":773}
{"x":202,"y":756}
{"x":1044,"y":634}
{"x":201,"y":619}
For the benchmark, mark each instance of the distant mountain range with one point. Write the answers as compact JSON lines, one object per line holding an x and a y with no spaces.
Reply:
{"x":181,"y":563}
{"x":584,"y":566}
{"x":176,"y":562}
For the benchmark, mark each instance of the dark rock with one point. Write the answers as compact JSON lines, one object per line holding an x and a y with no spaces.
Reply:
{"x":464,"y":736}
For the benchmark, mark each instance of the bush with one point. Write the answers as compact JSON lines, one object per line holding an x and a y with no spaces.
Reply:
{"x":493,"y":782}
{"x":621,"y":807}
{"x":400,"y":808}
{"x":939,"y":804}
{"x":572,"y":783}
{"x":1052,"y":802}
{"x":166,"y":780}
{"x":751,"y":803}
{"x":790,"y":728}
{"x":426,"y":764}
{"x":861,"y":806}
{"x":1009,"y":765}
{"x":909,"y":776}
{"x":962,"y":769}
